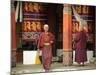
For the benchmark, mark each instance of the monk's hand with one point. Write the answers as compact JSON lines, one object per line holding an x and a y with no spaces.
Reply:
{"x":51,"y":42}
{"x":40,"y":52}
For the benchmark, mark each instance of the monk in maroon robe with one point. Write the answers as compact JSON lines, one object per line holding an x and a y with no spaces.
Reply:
{"x":80,"y":51}
{"x":45,"y":44}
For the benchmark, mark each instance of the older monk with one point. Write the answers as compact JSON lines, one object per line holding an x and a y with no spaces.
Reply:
{"x":45,"y":44}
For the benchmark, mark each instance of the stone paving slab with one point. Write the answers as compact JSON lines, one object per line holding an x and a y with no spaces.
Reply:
{"x":55,"y":67}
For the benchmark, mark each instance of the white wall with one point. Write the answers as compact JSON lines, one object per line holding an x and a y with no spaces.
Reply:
{"x":29,"y":57}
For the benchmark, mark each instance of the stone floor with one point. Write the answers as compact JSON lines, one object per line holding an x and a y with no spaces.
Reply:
{"x":55,"y":67}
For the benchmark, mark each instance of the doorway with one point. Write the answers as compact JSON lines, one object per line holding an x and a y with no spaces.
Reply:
{"x":54,"y":20}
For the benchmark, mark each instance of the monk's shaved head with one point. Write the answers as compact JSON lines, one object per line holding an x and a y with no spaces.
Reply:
{"x":46,"y":27}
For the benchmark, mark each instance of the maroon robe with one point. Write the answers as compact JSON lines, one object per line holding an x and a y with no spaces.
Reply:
{"x":80,"y":51}
{"x":46,"y":49}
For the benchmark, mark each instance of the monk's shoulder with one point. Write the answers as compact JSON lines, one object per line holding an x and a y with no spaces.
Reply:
{"x":42,"y":33}
{"x":50,"y":33}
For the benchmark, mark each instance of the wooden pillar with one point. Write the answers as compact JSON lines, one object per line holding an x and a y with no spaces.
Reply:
{"x":13,"y":35}
{"x":67,"y":35}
